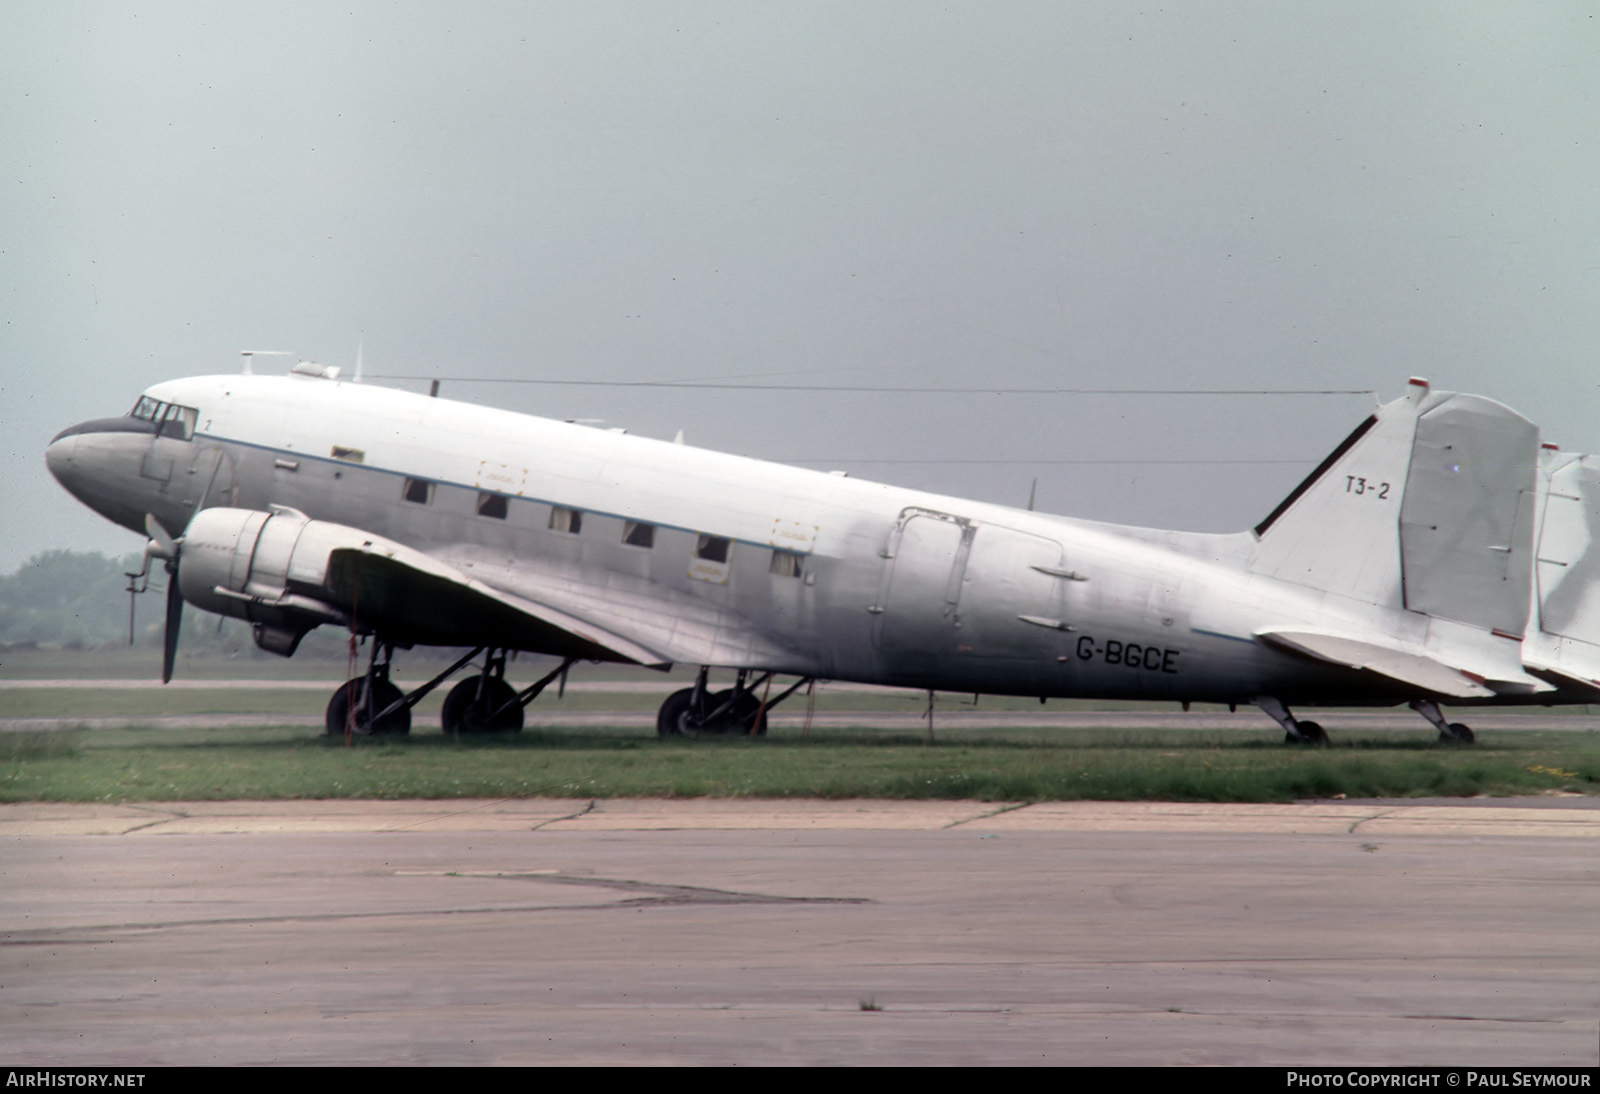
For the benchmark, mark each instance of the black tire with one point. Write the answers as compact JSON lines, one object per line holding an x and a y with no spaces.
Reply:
{"x":674,"y":718}
{"x":1459,"y":735}
{"x":739,"y":720}
{"x":464,"y":712}
{"x":354,"y":693}
{"x":674,"y":710}
{"x":1311,"y":734}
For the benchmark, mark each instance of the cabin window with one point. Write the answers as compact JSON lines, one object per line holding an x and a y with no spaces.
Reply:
{"x":713,"y":548}
{"x":563,"y":519}
{"x":492,"y":505}
{"x":418,"y":492}
{"x":710,"y":561}
{"x":785,"y":564}
{"x":637,"y":534}
{"x":348,"y":455}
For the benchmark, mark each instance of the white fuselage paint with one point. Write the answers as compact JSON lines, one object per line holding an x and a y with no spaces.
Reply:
{"x":895,"y":586}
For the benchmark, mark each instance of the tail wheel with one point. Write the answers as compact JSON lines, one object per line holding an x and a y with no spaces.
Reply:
{"x":467,"y":711}
{"x":352,"y":705}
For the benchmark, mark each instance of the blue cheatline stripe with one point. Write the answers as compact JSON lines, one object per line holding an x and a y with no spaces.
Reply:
{"x":1219,"y":634}
{"x":290,"y":452}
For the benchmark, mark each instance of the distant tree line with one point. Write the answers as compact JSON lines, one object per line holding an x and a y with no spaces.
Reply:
{"x":79,"y":600}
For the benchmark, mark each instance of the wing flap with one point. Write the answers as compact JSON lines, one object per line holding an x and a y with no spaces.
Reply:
{"x":1411,"y":669}
{"x":433,"y":602}
{"x":680,"y":627}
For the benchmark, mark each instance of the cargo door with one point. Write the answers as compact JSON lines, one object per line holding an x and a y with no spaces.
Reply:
{"x":919,"y":596}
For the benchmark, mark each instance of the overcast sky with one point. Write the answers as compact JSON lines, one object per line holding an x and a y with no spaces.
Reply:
{"x":1000,"y":194}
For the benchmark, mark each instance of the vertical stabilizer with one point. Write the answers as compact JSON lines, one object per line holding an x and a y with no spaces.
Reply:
{"x":1428,"y":506}
{"x":1338,"y":530}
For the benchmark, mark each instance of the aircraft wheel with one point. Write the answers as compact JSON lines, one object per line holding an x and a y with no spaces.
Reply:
{"x":741,"y":720}
{"x":675,"y":719}
{"x":1459,"y":735}
{"x":354,"y":693}
{"x":1311,"y":734}
{"x":464,"y":712}
{"x":674,"y":713}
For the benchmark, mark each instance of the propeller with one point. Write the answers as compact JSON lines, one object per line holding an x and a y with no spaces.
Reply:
{"x":163,"y":546}
{"x":169,"y":637}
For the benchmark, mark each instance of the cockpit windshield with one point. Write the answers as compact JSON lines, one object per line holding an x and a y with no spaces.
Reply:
{"x":170,"y":419}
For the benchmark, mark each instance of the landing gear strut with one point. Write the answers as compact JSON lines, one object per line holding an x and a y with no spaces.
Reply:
{"x":1296,"y":732}
{"x":370,"y":704}
{"x":484,"y":703}
{"x":738,"y":711}
{"x":1450,"y":733}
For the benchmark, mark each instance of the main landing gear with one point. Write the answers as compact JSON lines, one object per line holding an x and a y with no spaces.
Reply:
{"x":1309,"y":733}
{"x":1296,"y":732}
{"x":737,"y":711}
{"x":371,"y":705}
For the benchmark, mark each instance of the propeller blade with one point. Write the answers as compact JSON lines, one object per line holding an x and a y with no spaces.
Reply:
{"x":169,"y":639}
{"x":175,"y":616}
{"x":164,"y":545}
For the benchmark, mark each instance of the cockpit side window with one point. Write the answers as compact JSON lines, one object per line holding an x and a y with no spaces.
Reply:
{"x":170,"y":419}
{"x":179,"y":422}
{"x":147,"y":408}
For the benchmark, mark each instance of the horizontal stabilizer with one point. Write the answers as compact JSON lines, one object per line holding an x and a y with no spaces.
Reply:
{"x":1567,"y":681}
{"x":1411,"y":669}
{"x":435,"y":603}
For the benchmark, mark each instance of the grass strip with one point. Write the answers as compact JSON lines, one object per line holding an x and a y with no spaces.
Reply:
{"x":987,"y":765}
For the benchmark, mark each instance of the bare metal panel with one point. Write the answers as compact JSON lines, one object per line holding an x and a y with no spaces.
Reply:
{"x":1023,"y":613}
{"x":1466,"y":524}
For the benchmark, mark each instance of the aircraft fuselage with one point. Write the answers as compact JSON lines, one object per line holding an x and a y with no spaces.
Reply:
{"x":735,"y":562}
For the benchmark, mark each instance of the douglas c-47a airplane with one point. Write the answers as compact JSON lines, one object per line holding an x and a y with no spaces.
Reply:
{"x":1440,"y":554}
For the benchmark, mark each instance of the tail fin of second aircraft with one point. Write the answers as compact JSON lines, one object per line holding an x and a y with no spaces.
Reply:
{"x":1428,"y":505}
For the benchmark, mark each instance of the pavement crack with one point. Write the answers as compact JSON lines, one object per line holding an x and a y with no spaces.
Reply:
{"x":446,"y":816}
{"x":1379,"y":815}
{"x":662,"y":893}
{"x":649,"y":894}
{"x":570,"y":816}
{"x":165,"y":816}
{"x":1009,"y":807}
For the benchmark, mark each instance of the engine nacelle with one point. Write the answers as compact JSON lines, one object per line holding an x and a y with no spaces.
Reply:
{"x":269,"y":568}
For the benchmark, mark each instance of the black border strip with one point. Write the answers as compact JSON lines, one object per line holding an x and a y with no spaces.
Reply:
{"x":1333,"y":458}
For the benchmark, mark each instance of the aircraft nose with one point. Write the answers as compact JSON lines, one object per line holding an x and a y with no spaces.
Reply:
{"x":58,"y":458}
{"x":99,"y":463}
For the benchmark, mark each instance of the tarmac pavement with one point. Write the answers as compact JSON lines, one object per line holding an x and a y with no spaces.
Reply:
{"x":726,"y":932}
